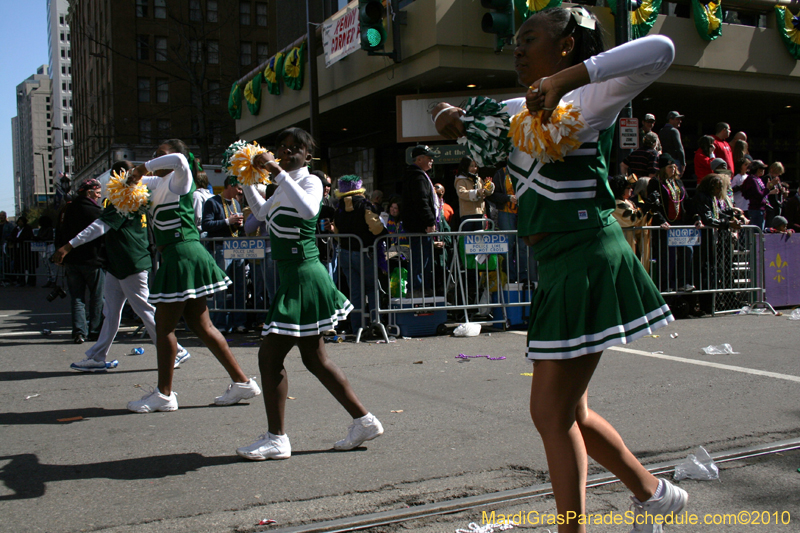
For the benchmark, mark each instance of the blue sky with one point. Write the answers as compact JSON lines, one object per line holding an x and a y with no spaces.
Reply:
{"x":23,"y":48}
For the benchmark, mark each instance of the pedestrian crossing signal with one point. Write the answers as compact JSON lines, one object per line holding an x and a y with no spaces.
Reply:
{"x":500,"y":21}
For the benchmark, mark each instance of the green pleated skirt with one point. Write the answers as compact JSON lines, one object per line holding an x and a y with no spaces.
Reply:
{"x":306,"y":302}
{"x":593,"y":293}
{"x":187,"y":271}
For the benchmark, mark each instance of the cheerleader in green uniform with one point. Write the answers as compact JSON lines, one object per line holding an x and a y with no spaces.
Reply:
{"x":186,"y":275}
{"x":306,"y":302}
{"x":593,"y":293}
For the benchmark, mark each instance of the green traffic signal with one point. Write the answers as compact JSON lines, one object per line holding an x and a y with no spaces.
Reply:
{"x":500,"y":21}
{"x":370,"y":16}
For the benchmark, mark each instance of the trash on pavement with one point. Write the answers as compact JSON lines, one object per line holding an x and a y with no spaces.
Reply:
{"x":112,"y":364}
{"x":673,"y":335}
{"x":28,"y":397}
{"x":698,"y":465}
{"x":719,"y":350}
{"x":71,"y":419}
{"x":469,"y":329}
{"x":46,"y":332}
{"x":487,"y":528}
{"x":396,"y":411}
{"x":137,"y":351}
{"x":418,"y":362}
{"x":267,"y":522}
{"x":795,"y":314}
{"x":490,"y":358}
{"x":747,"y":310}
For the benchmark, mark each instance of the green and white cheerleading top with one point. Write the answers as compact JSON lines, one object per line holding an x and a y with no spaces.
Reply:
{"x":187,"y":269}
{"x":593,"y":292}
{"x":306,"y":302}
{"x":573,"y":195}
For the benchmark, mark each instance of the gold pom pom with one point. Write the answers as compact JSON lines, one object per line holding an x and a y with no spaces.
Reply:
{"x":547,"y":142}
{"x":242,"y":165}
{"x":127,"y":199}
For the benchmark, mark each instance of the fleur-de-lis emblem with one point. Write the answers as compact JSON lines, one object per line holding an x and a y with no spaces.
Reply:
{"x":779,"y":264}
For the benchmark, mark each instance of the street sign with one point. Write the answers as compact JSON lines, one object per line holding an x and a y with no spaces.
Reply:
{"x":38,"y":246}
{"x":485,"y":244}
{"x":243,"y":249}
{"x":629,"y":133}
{"x":443,"y":154}
{"x":683,"y":237}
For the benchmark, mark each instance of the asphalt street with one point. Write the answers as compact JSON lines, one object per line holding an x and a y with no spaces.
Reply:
{"x":74,"y":459}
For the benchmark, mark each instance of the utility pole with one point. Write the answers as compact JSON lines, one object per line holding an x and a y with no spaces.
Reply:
{"x":313,"y":86}
{"x":622,"y":34}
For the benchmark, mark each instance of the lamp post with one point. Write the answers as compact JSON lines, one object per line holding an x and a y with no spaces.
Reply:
{"x":44,"y":178}
{"x":63,"y":153}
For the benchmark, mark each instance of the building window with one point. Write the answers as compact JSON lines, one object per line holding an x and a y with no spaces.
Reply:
{"x":195,"y":15}
{"x":63,"y":70}
{"x":246,"y":56}
{"x":144,"y":89}
{"x":212,"y":10}
{"x":213,"y":52}
{"x":62,"y":36}
{"x":161,"y":48}
{"x":194,"y":50}
{"x":162,"y":90}
{"x":64,"y":86}
{"x":163,"y":129}
{"x":160,"y":9}
{"x":143,"y":47}
{"x":64,"y":102}
{"x":61,"y":20}
{"x":47,"y":100}
{"x":145,"y":132}
{"x":63,"y":53}
{"x":213,"y":93}
{"x":141,"y":8}
{"x":244,"y":13}
{"x":216,"y":132}
{"x":263,"y":53}
{"x":261,"y":14}
{"x":66,"y":120}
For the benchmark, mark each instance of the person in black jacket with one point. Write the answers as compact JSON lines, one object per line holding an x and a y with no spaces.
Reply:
{"x":357,"y":216}
{"x":222,"y":217}
{"x":84,"y":267}
{"x":420,"y":210}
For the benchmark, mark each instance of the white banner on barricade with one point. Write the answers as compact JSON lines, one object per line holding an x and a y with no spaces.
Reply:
{"x":244,"y":249}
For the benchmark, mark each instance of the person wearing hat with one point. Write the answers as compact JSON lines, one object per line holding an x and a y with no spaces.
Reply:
{"x":671,"y":211}
{"x":756,"y":192}
{"x":358,"y":216}
{"x":84,"y":268}
{"x":670,"y":137}
{"x":419,"y":214}
{"x":779,"y":224}
{"x":647,"y":127}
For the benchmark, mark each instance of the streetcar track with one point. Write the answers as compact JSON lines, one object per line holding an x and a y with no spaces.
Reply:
{"x":385,"y":518}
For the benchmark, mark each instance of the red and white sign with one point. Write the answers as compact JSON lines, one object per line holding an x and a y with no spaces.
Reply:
{"x":341,"y":34}
{"x":629,"y":133}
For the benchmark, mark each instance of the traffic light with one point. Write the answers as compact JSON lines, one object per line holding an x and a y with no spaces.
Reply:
{"x":500,"y":21}
{"x":370,"y":17}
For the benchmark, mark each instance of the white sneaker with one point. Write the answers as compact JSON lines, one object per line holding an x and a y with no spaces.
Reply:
{"x":361,"y":430}
{"x":89,"y":365}
{"x":237,"y":392}
{"x":268,"y":446}
{"x":154,"y":401}
{"x":672,"y":501}
{"x":183,"y":355}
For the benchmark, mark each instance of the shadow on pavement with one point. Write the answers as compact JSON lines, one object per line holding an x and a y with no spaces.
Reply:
{"x":27,"y":478}
{"x":24,"y":375}
{"x":86,"y":413}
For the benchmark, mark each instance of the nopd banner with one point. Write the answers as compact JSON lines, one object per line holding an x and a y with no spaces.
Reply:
{"x":341,"y":34}
{"x":244,"y":249}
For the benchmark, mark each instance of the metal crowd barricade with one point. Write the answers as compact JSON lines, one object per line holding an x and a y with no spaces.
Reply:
{"x":254,"y":274}
{"x":28,"y":262}
{"x":726,"y":265}
{"x":431,"y":275}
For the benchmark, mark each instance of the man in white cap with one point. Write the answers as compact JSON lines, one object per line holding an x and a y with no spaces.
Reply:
{"x":671,"y":139}
{"x":647,"y":126}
